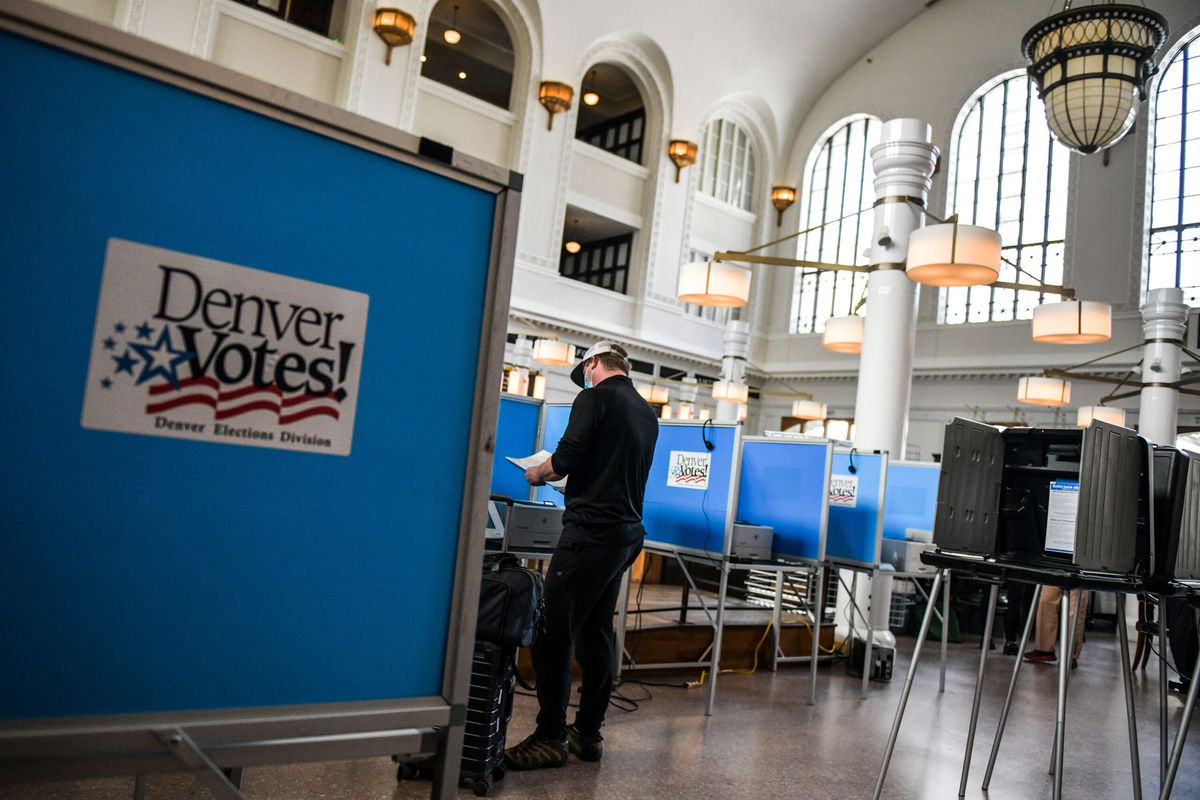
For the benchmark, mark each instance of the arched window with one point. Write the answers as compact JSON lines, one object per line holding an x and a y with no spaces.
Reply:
{"x":1008,"y":174}
{"x":468,"y":48}
{"x":1174,"y":257}
{"x":727,"y":164}
{"x":839,"y":183}
{"x":612,"y":115}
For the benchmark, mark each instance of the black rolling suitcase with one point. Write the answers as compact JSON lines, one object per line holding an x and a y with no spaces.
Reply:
{"x":510,"y":610}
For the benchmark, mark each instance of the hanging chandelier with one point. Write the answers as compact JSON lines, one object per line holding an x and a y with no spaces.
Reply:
{"x":1091,"y":65}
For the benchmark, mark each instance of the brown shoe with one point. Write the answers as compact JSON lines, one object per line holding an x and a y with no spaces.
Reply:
{"x":536,"y":752}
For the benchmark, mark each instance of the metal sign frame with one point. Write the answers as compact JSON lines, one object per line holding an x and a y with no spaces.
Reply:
{"x":211,"y":740}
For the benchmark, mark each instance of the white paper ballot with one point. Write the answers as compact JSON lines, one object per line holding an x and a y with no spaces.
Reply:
{"x":536,"y":460}
{"x":1060,"y":516}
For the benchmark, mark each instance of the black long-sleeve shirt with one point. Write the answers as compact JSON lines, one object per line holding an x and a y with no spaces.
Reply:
{"x":606,"y":450}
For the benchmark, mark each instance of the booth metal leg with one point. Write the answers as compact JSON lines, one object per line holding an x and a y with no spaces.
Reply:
{"x":983,"y":654}
{"x":814,"y":611}
{"x":777,"y":622}
{"x":1189,"y":706}
{"x":945,"y":633}
{"x":622,"y":621}
{"x":718,"y":628}
{"x":1127,"y":674}
{"x":908,"y":682}
{"x":1163,"y":730}
{"x":1066,"y":647}
{"x":1060,"y":716}
{"x":1012,"y":685}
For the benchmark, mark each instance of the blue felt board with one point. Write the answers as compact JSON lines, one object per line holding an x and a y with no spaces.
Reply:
{"x":690,"y":518}
{"x":853,"y":533}
{"x":911,"y":498}
{"x":554,"y":424}
{"x":516,"y":436}
{"x":148,"y":574}
{"x":785,"y":484}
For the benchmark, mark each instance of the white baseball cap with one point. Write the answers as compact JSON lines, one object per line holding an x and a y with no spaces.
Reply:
{"x":594,"y":350}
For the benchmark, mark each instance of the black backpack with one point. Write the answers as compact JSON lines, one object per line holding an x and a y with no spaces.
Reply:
{"x":510,"y":605}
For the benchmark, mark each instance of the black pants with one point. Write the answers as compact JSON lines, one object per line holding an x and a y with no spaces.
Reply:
{"x":1181,"y":627}
{"x":1019,"y":597}
{"x":582,"y":585}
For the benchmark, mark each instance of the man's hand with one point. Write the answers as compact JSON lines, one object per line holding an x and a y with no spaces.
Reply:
{"x":537,"y":476}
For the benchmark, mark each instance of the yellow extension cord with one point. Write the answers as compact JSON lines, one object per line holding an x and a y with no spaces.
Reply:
{"x":757,"y":647}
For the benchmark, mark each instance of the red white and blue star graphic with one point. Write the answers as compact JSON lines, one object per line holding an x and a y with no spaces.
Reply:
{"x":156,"y":356}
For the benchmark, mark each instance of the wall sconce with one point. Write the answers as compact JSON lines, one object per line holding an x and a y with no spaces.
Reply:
{"x":682,"y":154}
{"x":572,"y":247}
{"x":395,"y":27}
{"x":556,"y":97}
{"x":782,"y":198}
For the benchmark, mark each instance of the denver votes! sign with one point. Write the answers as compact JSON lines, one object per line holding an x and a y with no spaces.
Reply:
{"x":192,"y":348}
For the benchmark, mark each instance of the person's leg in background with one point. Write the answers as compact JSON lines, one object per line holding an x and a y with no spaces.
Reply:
{"x":1019,"y":595}
{"x":1047,"y":626}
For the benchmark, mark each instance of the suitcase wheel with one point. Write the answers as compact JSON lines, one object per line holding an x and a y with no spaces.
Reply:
{"x":481,"y":787}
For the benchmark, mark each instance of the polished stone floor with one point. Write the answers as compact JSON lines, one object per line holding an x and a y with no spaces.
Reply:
{"x":765,"y":742}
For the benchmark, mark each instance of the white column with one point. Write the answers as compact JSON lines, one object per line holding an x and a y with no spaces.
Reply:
{"x":1164,"y":319}
{"x":733,"y":365}
{"x":903,"y":162}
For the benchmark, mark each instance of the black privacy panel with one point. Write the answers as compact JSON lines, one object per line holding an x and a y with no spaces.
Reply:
{"x":1187,"y":553}
{"x":1112,"y":471}
{"x":969,"y":489}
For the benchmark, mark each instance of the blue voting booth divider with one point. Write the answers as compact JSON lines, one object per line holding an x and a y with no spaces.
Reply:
{"x":911,"y":502}
{"x":516,"y":436}
{"x":554,"y":424}
{"x":784,"y":483}
{"x":149,"y":577}
{"x":856,"y":502}
{"x":688,"y":494}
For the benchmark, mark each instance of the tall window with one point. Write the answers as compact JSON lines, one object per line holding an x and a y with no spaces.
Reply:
{"x":316,"y":15}
{"x":1009,"y":175}
{"x":1175,"y":185}
{"x":727,"y":171}
{"x":840,"y":183}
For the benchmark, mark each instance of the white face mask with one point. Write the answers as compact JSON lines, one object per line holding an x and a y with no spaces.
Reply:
{"x":587,"y":380}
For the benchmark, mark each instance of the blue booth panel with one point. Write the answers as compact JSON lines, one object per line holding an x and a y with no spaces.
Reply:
{"x":856,"y":501}
{"x":143,"y":573}
{"x":516,"y":436}
{"x":911,"y":502}
{"x":554,"y":424}
{"x":685,"y":509}
{"x":785,"y":484}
